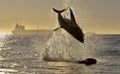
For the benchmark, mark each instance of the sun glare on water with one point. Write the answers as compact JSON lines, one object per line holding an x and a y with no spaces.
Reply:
{"x":2,"y":33}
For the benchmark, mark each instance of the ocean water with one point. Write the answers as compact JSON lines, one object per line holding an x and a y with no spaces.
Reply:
{"x":25,"y":54}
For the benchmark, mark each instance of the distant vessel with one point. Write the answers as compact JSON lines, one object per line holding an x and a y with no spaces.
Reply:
{"x":20,"y":29}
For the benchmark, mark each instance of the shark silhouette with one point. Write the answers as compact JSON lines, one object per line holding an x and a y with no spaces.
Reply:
{"x":70,"y":25}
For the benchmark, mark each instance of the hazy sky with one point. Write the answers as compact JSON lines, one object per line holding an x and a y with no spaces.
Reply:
{"x":99,"y":16}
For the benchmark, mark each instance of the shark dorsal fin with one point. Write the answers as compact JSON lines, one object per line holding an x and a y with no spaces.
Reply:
{"x":72,"y":16}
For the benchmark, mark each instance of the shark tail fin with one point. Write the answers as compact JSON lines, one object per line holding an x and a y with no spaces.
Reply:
{"x":59,"y":11}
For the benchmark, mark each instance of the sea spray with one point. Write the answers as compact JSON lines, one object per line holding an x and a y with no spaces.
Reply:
{"x":66,"y":3}
{"x":65,"y":47}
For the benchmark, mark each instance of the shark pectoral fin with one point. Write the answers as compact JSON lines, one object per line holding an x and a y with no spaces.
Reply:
{"x":56,"y":29}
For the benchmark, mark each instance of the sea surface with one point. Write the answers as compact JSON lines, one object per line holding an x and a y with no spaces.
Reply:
{"x":26,"y":54}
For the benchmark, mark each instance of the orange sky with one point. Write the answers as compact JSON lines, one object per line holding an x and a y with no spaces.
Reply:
{"x":99,"y":16}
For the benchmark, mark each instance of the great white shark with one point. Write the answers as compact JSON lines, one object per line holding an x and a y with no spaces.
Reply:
{"x":70,"y":25}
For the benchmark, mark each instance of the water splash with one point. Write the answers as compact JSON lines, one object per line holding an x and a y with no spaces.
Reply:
{"x":66,"y":3}
{"x":65,"y":47}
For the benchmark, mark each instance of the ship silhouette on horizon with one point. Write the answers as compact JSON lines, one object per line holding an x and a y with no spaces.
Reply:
{"x":20,"y":30}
